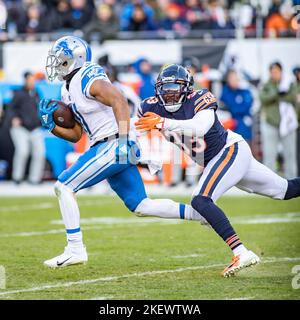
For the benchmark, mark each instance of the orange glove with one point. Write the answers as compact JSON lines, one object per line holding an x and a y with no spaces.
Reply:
{"x":150,"y":121}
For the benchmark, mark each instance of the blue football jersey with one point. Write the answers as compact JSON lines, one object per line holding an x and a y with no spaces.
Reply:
{"x":200,"y":150}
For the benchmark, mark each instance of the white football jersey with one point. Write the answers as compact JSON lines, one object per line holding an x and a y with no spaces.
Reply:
{"x":97,"y":119}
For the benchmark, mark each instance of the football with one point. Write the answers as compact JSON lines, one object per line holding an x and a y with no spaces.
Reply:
{"x":63,"y":116}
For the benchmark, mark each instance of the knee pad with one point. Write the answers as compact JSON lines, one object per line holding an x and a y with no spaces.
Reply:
{"x":60,"y":187}
{"x":201,"y":204}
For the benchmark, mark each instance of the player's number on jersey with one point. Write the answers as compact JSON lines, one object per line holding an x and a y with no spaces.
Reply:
{"x":152,"y":100}
{"x":200,"y":144}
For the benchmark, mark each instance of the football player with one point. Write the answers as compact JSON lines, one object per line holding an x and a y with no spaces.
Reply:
{"x":188,"y":118}
{"x":103,"y":113}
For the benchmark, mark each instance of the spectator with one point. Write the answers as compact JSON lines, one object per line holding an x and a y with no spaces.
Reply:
{"x":61,"y":15}
{"x":278,"y":23}
{"x":79,"y":15}
{"x":243,"y":16}
{"x":271,"y":97}
{"x":238,"y":102}
{"x":139,"y":21}
{"x":219,"y":19}
{"x":26,"y":134}
{"x":3,"y":20}
{"x":196,"y":15}
{"x":34,"y":21}
{"x":127,"y":13}
{"x":293,"y":97}
{"x":173,"y":20}
{"x":104,"y":24}
{"x":144,"y":69}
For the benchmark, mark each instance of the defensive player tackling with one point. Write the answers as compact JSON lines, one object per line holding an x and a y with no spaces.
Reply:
{"x":188,"y":118}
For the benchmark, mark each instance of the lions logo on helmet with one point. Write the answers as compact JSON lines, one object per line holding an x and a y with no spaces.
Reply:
{"x":67,"y":54}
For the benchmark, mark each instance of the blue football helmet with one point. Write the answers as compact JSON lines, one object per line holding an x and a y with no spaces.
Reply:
{"x":67,"y":54}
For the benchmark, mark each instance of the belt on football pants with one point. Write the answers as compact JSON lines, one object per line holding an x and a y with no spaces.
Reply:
{"x":113,"y":136}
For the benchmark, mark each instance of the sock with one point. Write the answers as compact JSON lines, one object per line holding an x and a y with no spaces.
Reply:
{"x":168,"y":209}
{"x":236,"y":245}
{"x":190,"y":213}
{"x":293,"y":189}
{"x":219,"y":222}
{"x":70,"y":215}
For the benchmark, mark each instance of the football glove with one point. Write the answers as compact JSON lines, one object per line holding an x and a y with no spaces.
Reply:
{"x":149,"y":121}
{"x":127,"y":150}
{"x":46,"y":109}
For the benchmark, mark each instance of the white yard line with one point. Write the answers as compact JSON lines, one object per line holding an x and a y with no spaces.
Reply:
{"x":121,"y":220}
{"x":51,"y":205}
{"x":131,"y":275}
{"x":241,"y":298}
{"x":192,"y":255}
{"x":21,"y":208}
{"x":97,"y":223}
{"x":142,"y":223}
{"x":101,"y":298}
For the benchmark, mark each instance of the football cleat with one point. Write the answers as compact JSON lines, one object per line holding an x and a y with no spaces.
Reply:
{"x":68,"y":258}
{"x":240,"y":262}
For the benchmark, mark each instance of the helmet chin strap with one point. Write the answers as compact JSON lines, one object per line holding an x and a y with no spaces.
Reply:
{"x":173,"y":107}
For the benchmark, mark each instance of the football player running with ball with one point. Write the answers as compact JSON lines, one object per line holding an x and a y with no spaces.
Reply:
{"x":188,"y":118}
{"x":103,"y":113}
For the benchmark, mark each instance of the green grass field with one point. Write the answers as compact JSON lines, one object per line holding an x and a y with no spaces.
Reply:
{"x":147,"y":258}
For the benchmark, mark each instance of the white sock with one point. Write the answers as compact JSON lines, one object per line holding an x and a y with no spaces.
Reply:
{"x":191,"y":214}
{"x":240,"y":250}
{"x":70,"y":215}
{"x":168,"y":209}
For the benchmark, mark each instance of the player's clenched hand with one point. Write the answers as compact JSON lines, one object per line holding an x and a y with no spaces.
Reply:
{"x":127,"y":150}
{"x":150,"y":121}
{"x":46,"y":109}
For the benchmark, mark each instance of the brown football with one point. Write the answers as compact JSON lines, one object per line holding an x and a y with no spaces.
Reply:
{"x":63,"y":116}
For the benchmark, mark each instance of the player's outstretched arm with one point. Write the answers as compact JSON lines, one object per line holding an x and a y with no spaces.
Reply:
{"x":72,"y":135}
{"x":107,"y":94}
{"x":199,"y":125}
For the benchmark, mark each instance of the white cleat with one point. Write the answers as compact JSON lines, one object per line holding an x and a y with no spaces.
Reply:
{"x":68,"y":258}
{"x":240,"y":262}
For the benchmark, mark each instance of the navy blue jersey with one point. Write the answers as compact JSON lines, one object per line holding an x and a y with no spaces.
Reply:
{"x":200,"y":150}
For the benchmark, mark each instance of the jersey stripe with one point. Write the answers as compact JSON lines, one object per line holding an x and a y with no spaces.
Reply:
{"x":198,"y":100}
{"x":89,"y":163}
{"x":81,"y":120}
{"x":94,"y":174}
{"x":219,"y":170}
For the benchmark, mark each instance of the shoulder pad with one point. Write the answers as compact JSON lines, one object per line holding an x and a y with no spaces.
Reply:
{"x":204,"y":99}
{"x":151,"y":100}
{"x":90,"y":72}
{"x":146,"y":105}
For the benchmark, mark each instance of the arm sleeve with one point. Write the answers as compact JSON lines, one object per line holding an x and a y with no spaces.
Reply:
{"x":199,"y":125}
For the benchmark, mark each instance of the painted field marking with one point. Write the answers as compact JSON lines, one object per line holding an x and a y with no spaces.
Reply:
{"x":131,"y":275}
{"x":105,"y":222}
{"x":192,"y":255}
{"x":51,"y":205}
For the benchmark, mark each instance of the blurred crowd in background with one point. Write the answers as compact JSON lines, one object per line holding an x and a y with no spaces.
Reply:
{"x":103,"y":19}
{"x":265,"y":113}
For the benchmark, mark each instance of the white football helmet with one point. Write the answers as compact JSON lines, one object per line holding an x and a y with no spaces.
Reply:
{"x":67,"y":54}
